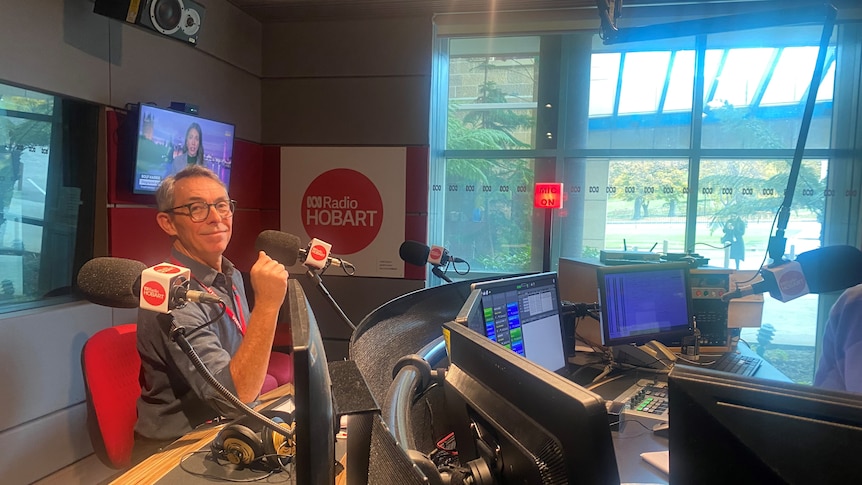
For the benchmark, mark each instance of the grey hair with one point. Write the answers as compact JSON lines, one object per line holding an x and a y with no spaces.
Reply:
{"x":165,"y":192}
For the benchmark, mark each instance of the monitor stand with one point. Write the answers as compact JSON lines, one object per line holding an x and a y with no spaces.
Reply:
{"x":652,"y":354}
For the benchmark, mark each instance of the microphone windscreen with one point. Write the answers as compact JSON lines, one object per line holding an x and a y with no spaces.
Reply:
{"x":831,"y":268}
{"x":280,"y":246}
{"x":414,"y":252}
{"x":113,"y":282}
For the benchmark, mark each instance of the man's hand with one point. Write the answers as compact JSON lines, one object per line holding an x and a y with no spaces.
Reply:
{"x":269,"y":281}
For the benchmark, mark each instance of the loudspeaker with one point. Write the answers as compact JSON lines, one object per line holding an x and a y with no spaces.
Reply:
{"x":245,"y":442}
{"x":180,"y":19}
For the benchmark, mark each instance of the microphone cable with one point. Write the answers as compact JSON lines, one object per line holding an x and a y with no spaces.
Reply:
{"x":178,"y":335}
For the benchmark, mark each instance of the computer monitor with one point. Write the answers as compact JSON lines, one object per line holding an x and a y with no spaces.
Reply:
{"x":733,"y":429}
{"x":526,"y":423}
{"x":644,"y":302}
{"x":522,"y":313}
{"x":315,"y":420}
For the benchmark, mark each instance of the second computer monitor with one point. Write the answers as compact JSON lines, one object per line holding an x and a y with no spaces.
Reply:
{"x":523,"y":314}
{"x":644,"y":302}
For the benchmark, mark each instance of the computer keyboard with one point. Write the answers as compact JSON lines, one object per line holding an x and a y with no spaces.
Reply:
{"x":744,"y":365}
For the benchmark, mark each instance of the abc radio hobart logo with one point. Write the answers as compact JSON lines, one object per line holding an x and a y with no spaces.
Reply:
{"x":343,"y":207}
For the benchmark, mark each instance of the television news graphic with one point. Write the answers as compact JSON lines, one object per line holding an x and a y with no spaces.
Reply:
{"x":178,"y":19}
{"x":822,"y":270}
{"x":159,"y":141}
{"x":117,"y":283}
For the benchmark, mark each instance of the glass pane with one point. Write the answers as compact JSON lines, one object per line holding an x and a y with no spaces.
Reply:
{"x":492,"y":94}
{"x":792,"y":76}
{"x":758,"y":95}
{"x":643,"y":81}
{"x":604,"y":74}
{"x":740,"y":77}
{"x":737,"y":202}
{"x":13,"y":98}
{"x":680,"y":88}
{"x":48,"y":152}
{"x":489,"y":215}
{"x":25,"y":149}
{"x":636,"y":205}
{"x":638,"y":119}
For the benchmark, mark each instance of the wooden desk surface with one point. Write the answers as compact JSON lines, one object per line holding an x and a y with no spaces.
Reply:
{"x":159,"y":464}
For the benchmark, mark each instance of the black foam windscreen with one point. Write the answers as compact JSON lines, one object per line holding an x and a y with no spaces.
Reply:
{"x":831,"y":268}
{"x":280,"y":246}
{"x":112,"y":282}
{"x":414,"y":252}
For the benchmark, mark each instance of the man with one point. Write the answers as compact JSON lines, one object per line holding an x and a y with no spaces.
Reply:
{"x":840,"y":364}
{"x":195,"y":210}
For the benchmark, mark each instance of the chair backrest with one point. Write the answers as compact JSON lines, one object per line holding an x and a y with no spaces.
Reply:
{"x":112,"y":366}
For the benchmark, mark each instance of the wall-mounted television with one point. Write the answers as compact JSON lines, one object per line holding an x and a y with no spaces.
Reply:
{"x":168,"y":140}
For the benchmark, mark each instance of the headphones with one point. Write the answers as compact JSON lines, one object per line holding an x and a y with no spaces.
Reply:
{"x":246,"y":441}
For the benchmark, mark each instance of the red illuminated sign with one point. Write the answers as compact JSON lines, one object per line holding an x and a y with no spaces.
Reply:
{"x":548,"y":196}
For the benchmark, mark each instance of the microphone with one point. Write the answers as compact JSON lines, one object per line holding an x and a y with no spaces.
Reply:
{"x":111,"y":282}
{"x":116,"y":283}
{"x":317,"y":256}
{"x":418,"y":254}
{"x":280,"y":246}
{"x":822,"y":270}
{"x":165,"y":287}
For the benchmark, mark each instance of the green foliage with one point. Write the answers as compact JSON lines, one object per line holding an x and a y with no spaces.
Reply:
{"x":511,"y":262}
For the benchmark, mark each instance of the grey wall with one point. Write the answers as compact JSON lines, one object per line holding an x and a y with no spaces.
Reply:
{"x":347,"y":82}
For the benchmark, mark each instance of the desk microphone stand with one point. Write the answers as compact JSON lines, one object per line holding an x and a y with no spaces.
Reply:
{"x":312,"y":273}
{"x":178,"y":335}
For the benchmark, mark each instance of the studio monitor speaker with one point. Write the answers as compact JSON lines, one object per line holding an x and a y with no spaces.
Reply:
{"x":180,"y":19}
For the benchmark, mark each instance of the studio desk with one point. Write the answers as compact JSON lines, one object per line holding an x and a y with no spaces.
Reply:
{"x":411,"y":326}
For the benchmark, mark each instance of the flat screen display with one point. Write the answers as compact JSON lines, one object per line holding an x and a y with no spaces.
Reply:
{"x":644,"y":302}
{"x":523,"y":314}
{"x":168,"y":140}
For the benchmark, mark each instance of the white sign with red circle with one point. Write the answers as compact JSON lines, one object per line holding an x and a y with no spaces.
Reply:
{"x":353,"y":198}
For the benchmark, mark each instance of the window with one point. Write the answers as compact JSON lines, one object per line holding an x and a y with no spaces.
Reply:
{"x":654,"y":154}
{"x":47,"y":187}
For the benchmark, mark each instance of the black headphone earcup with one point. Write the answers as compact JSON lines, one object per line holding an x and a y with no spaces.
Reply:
{"x":238,"y":444}
{"x":278,"y":449}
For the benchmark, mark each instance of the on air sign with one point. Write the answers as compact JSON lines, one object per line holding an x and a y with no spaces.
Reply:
{"x":343,"y":207}
{"x":548,"y":196}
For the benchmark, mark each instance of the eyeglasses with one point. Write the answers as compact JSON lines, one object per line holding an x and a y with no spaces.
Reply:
{"x":199,"y":211}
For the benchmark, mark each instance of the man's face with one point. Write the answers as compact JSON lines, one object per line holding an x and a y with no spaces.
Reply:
{"x":203,"y":241}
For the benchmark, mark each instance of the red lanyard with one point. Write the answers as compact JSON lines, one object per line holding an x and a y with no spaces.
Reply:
{"x":239,"y":322}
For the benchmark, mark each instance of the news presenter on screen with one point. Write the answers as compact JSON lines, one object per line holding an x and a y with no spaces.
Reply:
{"x":193,"y":149}
{"x":195,"y":210}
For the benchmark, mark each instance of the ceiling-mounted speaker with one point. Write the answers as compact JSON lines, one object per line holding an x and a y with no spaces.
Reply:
{"x":180,"y":19}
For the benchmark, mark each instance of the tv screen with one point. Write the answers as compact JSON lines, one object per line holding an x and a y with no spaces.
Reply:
{"x":522,"y":313}
{"x":644,"y":302}
{"x":169,"y":140}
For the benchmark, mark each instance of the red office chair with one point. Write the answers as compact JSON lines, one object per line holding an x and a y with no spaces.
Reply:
{"x":112,"y":367}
